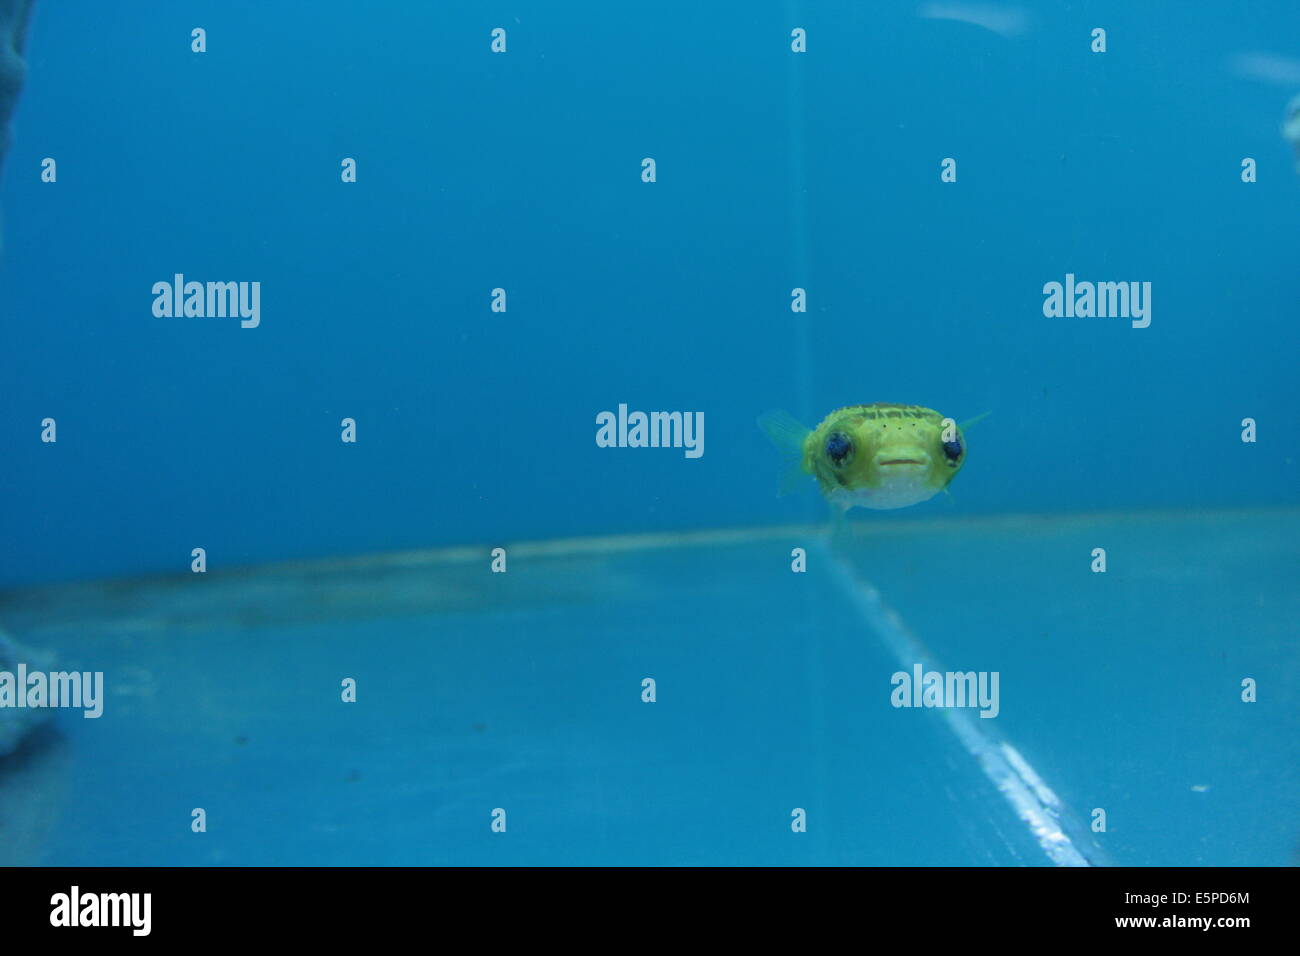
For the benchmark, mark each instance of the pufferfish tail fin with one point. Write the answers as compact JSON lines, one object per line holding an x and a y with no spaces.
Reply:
{"x":787,"y":434}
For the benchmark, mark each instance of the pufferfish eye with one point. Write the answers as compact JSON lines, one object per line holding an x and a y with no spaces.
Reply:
{"x":838,"y":448}
{"x":952,"y":450}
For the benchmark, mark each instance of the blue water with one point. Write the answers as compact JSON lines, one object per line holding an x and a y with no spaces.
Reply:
{"x":522,"y":170}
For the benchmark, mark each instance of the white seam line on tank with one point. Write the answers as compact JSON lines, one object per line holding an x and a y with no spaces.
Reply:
{"x":1030,"y":798}
{"x":650,"y":541}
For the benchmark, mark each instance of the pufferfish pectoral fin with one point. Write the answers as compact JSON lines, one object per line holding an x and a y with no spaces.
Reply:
{"x":793,"y":478}
{"x":787,"y":434}
{"x":841,"y":535}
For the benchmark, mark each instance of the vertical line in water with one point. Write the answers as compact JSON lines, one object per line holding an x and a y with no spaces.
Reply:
{"x":801,"y":276}
{"x":801,"y":261}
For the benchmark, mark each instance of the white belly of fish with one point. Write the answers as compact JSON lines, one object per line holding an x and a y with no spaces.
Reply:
{"x":894,"y":494}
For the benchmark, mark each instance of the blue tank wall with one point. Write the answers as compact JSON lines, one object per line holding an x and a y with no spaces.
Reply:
{"x":775,"y":170}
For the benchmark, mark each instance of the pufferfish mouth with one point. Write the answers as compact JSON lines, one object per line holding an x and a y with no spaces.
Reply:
{"x":899,"y":461}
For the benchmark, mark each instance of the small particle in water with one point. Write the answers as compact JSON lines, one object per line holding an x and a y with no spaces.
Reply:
{"x":241,"y":740}
{"x":1201,"y":787}
{"x":479,"y":728}
{"x":353,"y":776}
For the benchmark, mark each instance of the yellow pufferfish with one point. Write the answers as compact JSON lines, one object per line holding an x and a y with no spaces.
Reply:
{"x":878,"y":456}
